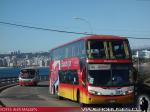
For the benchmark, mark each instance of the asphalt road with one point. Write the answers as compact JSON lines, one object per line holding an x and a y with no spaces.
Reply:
{"x":32,"y":96}
{"x":37,"y":96}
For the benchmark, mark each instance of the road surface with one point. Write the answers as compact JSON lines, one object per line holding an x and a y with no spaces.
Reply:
{"x":32,"y":96}
{"x":38,"y":96}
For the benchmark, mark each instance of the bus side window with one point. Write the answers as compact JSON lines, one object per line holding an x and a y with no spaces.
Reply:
{"x":70,"y":77}
{"x":62,"y":76}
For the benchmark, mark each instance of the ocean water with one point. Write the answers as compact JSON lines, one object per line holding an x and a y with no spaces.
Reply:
{"x":13,"y":72}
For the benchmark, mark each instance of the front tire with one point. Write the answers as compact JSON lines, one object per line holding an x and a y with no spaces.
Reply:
{"x":78,"y":97}
{"x":78,"y":100}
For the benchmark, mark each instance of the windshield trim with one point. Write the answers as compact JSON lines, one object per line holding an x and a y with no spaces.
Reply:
{"x":108,"y":49}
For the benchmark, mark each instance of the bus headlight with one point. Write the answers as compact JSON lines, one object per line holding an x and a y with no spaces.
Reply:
{"x":129,"y":90}
{"x":94,"y":92}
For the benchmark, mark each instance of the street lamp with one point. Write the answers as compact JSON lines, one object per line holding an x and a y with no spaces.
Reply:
{"x":82,"y":19}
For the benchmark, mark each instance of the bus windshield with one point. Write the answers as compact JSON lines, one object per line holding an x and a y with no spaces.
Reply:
{"x":106,"y":78}
{"x":112,"y":49}
{"x":27,"y":73}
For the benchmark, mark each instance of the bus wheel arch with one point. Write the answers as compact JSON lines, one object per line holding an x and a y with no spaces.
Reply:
{"x":78,"y":96}
{"x":57,"y":93}
{"x":78,"y":99}
{"x":54,"y":92}
{"x":56,"y":89}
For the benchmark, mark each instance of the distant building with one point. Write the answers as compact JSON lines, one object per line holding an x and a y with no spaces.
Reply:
{"x":1,"y":62}
{"x":11,"y":64}
{"x":16,"y":59}
{"x":141,"y":54}
{"x":46,"y":62}
{"x":41,"y":63}
{"x":7,"y":60}
{"x":4,"y":62}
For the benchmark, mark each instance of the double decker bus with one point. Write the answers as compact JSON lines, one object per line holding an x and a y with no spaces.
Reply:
{"x":94,"y":69}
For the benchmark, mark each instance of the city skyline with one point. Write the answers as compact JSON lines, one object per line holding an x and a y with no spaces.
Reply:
{"x":18,"y":59}
{"x":123,"y":18}
{"x":19,"y":51}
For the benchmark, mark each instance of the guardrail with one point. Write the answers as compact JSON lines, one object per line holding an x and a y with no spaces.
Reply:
{"x":43,"y":77}
{"x":8,"y":80}
{"x":14,"y":80}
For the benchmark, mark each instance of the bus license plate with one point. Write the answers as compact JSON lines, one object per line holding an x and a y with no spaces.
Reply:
{"x":112,"y":101}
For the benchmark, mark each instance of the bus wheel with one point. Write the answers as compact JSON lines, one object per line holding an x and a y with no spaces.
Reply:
{"x":78,"y":100}
{"x":78,"y":97}
{"x":60,"y":98}
{"x":54,"y":90}
{"x":35,"y":84}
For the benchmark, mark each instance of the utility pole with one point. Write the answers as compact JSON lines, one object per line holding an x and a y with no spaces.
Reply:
{"x":86,"y":21}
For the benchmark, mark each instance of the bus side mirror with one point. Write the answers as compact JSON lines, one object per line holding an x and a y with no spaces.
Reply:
{"x":83,"y":80}
{"x":83,"y":84}
{"x":83,"y":75}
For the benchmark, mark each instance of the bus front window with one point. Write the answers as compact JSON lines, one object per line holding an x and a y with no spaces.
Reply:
{"x":118,"y":49}
{"x":96,"y":49}
{"x":27,"y":74}
{"x":108,"y":49}
{"x":120,"y":77}
{"x":99,"y":77}
{"x":106,"y":75}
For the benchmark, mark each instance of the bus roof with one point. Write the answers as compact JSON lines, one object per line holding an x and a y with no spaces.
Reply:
{"x":103,"y":37}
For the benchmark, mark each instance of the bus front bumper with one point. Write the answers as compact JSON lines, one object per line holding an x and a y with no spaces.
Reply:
{"x":27,"y":83}
{"x":121,"y":99}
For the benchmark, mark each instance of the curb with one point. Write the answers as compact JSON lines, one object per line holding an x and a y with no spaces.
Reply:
{"x":3,"y":88}
{"x":7,"y":86}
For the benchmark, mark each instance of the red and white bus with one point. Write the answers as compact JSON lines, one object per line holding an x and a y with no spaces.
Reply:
{"x":28,"y":76}
{"x":95,"y":69}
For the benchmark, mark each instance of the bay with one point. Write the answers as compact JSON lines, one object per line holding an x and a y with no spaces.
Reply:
{"x":14,"y":72}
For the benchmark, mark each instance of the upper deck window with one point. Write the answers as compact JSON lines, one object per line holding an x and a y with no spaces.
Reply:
{"x":96,"y":49}
{"x":108,"y":49}
{"x":75,"y":49}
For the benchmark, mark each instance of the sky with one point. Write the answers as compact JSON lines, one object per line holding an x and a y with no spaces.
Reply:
{"x":130,"y":18}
